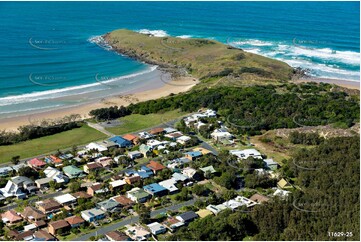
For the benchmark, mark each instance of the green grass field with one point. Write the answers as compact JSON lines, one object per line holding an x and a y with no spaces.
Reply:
{"x":50,"y":143}
{"x":136,"y":122}
{"x":201,"y":57}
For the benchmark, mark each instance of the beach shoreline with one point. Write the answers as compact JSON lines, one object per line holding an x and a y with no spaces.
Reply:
{"x":135,"y":96}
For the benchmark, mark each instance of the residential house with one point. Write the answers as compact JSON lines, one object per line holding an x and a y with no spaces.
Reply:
{"x":157,"y":228}
{"x":283,"y":184}
{"x":145,"y":135}
{"x":174,"y":136}
{"x":117,"y":185}
{"x":11,"y":217}
{"x":117,"y":236}
{"x":122,"y":143}
{"x":75,"y":221}
{"x":43,"y":235}
{"x":43,"y":182}
{"x":137,"y":233}
{"x":73,"y":172}
{"x":101,"y":145}
{"x":170,"y":185}
{"x":203,"y":150}
{"x":97,"y":188}
{"x":56,"y":175}
{"x":104,"y":161}
{"x":92,"y":167}
{"x":132,"y":138}
{"x":5,"y":171}
{"x":259,"y":198}
{"x":23,"y":236}
{"x":155,"y":166}
{"x":155,"y":190}
{"x":145,"y":150}
{"x":32,"y":214}
{"x":271,"y":164}
{"x":81,"y":194}
{"x":244,"y":154}
{"x":93,"y":214}
{"x":281,"y":193}
{"x":135,"y":155}
{"x":157,"y":131}
{"x":192,"y":155}
{"x":109,"y":205}
{"x":208,"y":170}
{"x":215,"y":209}
{"x":138,"y":195}
{"x":48,"y":206}
{"x":238,"y":202}
{"x":191,"y":173}
{"x":202,"y":213}
{"x":58,"y":227}
{"x":178,"y":177}
{"x":132,"y":179}
{"x":221,"y":134}
{"x":187,"y":217}
{"x":56,"y":160}
{"x":183,"y":139}
{"x":66,"y":199}
{"x":169,"y":130}
{"x":36,"y":164}
{"x":123,"y":201}
{"x":17,"y":186}
{"x":172,"y":223}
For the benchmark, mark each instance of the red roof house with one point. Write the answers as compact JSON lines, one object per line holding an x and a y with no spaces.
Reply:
{"x":36,"y":163}
{"x":155,"y":166}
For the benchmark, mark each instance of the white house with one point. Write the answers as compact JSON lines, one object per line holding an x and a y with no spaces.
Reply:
{"x":244,"y":154}
{"x":170,"y":184}
{"x":183,"y":139}
{"x":156,"y":228}
{"x":56,"y":175}
{"x":220,"y":134}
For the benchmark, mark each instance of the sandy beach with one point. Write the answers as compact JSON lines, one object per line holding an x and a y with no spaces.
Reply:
{"x":11,"y":124}
{"x":341,"y":83}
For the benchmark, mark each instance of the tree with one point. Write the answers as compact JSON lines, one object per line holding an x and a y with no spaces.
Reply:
{"x":74,"y":186}
{"x":28,"y":172}
{"x":144,"y":214}
{"x":15,"y":159}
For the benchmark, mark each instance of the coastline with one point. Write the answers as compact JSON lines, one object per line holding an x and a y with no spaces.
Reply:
{"x":342,"y":83}
{"x":135,"y":96}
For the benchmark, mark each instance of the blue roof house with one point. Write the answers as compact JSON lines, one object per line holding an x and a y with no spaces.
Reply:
{"x":192,"y":155}
{"x":155,"y":190}
{"x":123,"y":143}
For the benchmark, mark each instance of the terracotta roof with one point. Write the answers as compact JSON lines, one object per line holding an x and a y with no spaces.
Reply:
{"x":49,"y":204}
{"x":32,"y":212}
{"x":56,"y":159}
{"x":40,"y":223}
{"x":96,"y":187}
{"x":123,"y":200}
{"x":156,"y":131}
{"x":12,"y":216}
{"x":42,"y":234}
{"x":24,"y":235}
{"x":117,"y":236}
{"x":155,"y":166}
{"x":93,"y":165}
{"x":74,"y":220}
{"x":36,"y":162}
{"x":259,"y":198}
{"x":130,"y":137}
{"x":81,"y":194}
{"x":59,"y":224}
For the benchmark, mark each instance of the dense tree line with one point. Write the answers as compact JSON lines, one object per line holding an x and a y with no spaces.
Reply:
{"x":326,"y":200}
{"x":113,"y":112}
{"x":255,"y":108}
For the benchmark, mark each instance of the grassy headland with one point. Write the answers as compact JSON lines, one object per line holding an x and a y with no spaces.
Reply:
{"x":202,"y":58}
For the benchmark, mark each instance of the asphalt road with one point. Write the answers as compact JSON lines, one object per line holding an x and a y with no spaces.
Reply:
{"x":131,"y":220}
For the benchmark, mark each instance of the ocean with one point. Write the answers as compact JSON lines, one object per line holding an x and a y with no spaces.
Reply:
{"x":50,"y":55}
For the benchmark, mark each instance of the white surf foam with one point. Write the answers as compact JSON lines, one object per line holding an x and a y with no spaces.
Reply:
{"x":156,"y":33}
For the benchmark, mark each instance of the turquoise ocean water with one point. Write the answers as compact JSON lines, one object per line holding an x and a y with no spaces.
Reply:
{"x":49,"y":56}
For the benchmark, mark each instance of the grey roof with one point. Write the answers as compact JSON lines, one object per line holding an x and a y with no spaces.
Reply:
{"x":44,"y":180}
{"x":187,"y":216}
{"x":21,"y":180}
{"x":108,"y":204}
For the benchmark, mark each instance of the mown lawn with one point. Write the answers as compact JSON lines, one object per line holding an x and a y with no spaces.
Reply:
{"x":51,"y":143}
{"x":136,"y":122}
